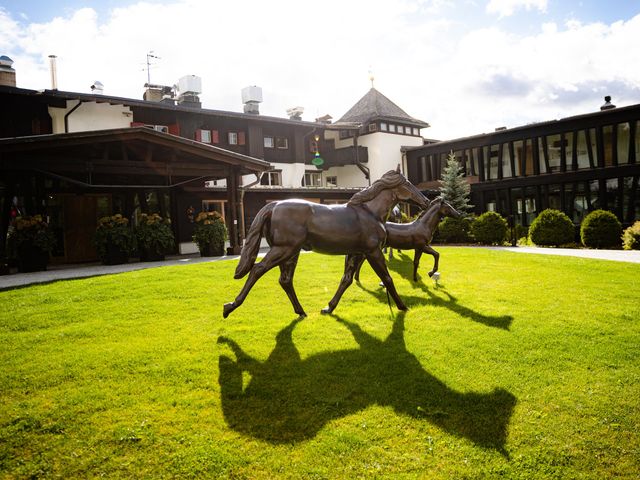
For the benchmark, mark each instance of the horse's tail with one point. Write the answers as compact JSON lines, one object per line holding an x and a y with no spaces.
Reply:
{"x":252,"y":242}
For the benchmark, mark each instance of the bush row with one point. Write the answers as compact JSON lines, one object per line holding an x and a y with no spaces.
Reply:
{"x":599,"y":229}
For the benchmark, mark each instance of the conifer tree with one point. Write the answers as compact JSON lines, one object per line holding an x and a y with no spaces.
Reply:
{"x":454,"y":188}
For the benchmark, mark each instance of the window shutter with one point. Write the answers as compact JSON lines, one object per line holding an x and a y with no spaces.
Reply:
{"x":198,"y":135}
{"x":241,"y":140}
{"x":174,"y":129}
{"x":214,"y":136}
{"x":137,"y":124}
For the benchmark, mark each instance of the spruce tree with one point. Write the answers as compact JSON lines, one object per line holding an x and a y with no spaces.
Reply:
{"x":454,"y":188}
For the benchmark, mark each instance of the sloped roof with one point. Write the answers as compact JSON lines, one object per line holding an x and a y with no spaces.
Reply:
{"x":375,"y":106}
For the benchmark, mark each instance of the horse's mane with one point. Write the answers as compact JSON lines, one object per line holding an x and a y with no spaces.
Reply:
{"x":391,"y":179}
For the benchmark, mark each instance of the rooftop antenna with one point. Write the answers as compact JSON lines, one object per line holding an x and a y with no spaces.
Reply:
{"x":150,"y":55}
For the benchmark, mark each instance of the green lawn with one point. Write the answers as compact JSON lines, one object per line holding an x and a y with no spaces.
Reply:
{"x":515,"y":366}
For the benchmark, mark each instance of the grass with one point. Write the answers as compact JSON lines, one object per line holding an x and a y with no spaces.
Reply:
{"x":515,"y":366}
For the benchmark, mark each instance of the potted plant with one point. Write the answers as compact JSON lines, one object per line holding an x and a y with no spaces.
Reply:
{"x":154,"y":237}
{"x":210,"y":233}
{"x":114,"y":240}
{"x":33,"y":240}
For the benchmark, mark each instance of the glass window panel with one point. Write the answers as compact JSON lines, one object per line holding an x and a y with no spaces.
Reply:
{"x":594,"y":146}
{"x":492,"y":162}
{"x":593,"y":197}
{"x":554,"y":197}
{"x":613,"y":199}
{"x":506,"y":161}
{"x":607,"y":140}
{"x":623,"y":143}
{"x":581,"y":150}
{"x":518,"y":152}
{"x":529,"y":157}
{"x":475,"y":161}
{"x":568,"y":149}
{"x":541,"y":161}
{"x":554,"y":146}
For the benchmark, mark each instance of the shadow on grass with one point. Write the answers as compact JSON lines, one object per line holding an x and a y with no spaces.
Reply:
{"x":288,"y":399}
{"x":503,"y":322}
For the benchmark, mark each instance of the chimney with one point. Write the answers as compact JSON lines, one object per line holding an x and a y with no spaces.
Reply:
{"x":7,"y":73}
{"x":607,"y":103}
{"x":252,"y":97}
{"x":295,"y":113}
{"x":54,"y":72}
{"x":324,"y":119}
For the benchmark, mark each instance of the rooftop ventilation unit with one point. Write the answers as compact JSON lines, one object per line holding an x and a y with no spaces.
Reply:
{"x":251,"y":98}
{"x":295,"y":113}
{"x":97,"y":87}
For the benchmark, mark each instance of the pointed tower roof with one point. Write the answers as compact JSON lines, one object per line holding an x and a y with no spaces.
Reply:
{"x":375,"y":106}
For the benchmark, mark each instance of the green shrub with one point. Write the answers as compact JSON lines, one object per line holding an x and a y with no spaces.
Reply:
{"x":489,"y":228}
{"x":453,"y":230}
{"x":631,"y":237}
{"x":601,"y":229}
{"x":551,"y":228}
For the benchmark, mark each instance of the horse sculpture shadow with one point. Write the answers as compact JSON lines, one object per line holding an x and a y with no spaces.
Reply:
{"x":289,"y":399}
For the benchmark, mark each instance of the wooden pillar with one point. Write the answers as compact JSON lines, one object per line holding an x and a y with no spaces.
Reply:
{"x":5,"y":213}
{"x":232,"y":193}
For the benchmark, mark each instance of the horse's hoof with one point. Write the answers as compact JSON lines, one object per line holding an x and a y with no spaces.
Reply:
{"x":326,"y":311}
{"x":431,"y":273}
{"x":402,"y":308}
{"x":228,"y":308}
{"x":302,"y":314}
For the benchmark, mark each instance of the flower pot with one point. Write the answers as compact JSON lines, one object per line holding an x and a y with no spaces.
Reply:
{"x":32,"y":259}
{"x":115,"y":255}
{"x":150,"y":255}
{"x":211,"y":250}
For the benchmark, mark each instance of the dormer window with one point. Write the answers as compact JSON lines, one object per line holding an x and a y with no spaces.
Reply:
{"x":384,"y":127}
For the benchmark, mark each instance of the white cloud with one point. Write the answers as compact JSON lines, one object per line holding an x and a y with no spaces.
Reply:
{"x":506,"y":8}
{"x":460,"y":78}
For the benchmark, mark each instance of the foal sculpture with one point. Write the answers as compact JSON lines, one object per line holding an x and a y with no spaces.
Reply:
{"x":355,"y":228}
{"x":417,"y":235}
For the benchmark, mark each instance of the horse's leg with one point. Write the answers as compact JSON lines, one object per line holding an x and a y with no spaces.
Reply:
{"x":350,"y":264}
{"x":358,"y":267}
{"x":390,"y":253}
{"x":275,"y":256}
{"x":287,"y":269}
{"x":376,"y":260}
{"x":436,"y":257}
{"x":416,"y":263}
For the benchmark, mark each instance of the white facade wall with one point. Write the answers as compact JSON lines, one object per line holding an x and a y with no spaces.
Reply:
{"x":384,"y":151}
{"x":90,"y":116}
{"x":384,"y":155}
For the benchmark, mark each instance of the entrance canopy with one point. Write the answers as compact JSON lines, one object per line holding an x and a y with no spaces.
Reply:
{"x":124,"y":157}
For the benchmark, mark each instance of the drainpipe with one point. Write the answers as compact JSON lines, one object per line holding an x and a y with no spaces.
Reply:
{"x":66,"y":117}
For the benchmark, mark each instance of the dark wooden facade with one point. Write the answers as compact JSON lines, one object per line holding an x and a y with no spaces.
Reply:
{"x":75,"y":178}
{"x":576,"y":165}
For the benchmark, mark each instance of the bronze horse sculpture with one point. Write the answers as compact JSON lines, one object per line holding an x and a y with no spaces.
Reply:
{"x":355,"y":228}
{"x":417,"y":235}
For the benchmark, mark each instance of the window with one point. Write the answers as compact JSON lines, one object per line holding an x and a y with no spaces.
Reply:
{"x":282,"y":143}
{"x":236,"y":138}
{"x":416,"y":131}
{"x":623,"y":143}
{"x":392,"y":128}
{"x":331,"y":181}
{"x":384,"y":127}
{"x":203,"y":136}
{"x":268,"y":142}
{"x":344,"y":134}
{"x":373,"y":127}
{"x":271,"y":178}
{"x":312,"y":179}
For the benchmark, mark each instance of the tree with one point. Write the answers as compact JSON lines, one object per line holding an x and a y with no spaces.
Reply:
{"x":454,"y":187}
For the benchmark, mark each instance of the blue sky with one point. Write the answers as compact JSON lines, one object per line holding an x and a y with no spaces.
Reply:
{"x":464,"y":66}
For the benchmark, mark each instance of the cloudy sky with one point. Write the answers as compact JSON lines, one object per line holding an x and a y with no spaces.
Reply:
{"x":465,"y":66}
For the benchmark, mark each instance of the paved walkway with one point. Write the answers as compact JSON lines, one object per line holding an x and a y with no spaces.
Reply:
{"x":63,"y":272}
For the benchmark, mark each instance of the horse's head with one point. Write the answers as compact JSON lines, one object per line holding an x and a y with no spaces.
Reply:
{"x":445,"y":209}
{"x":408,"y":192}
